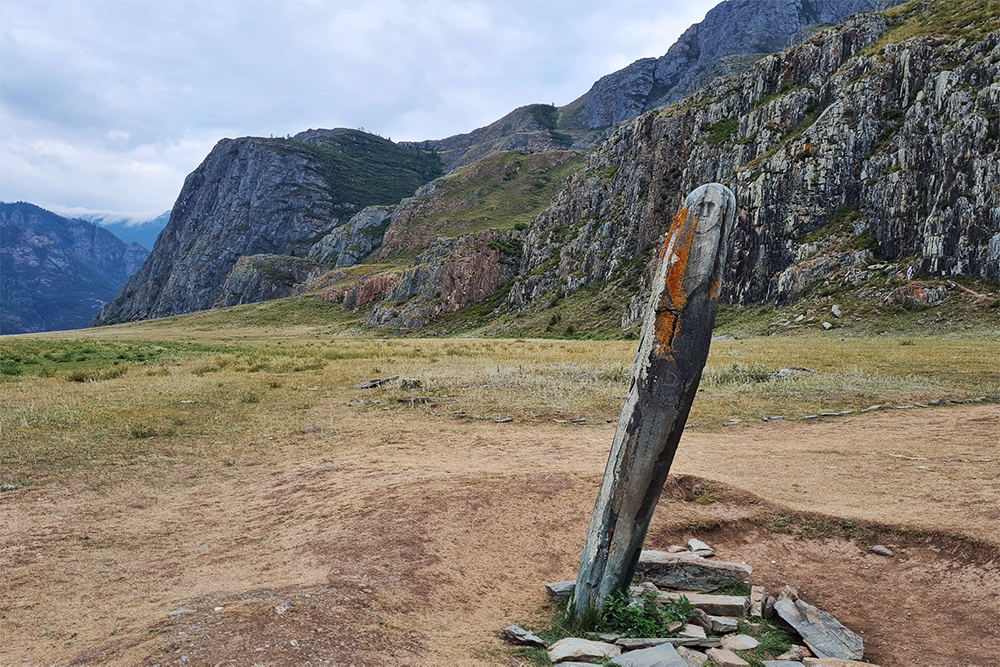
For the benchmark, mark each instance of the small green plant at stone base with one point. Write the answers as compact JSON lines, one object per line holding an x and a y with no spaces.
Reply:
{"x":643,"y":617}
{"x":773,"y":641}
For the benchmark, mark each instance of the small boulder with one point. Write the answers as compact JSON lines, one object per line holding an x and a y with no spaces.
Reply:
{"x":723,"y":657}
{"x":518,"y":635}
{"x":574,"y":648}
{"x":691,"y":657}
{"x":722,"y":625}
{"x":663,"y":655}
{"x":561,"y":590}
{"x":688,"y":571}
{"x":698,"y":545}
{"x":882,"y":551}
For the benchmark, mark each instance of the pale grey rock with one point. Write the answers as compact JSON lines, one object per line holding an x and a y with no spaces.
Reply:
{"x":560,"y":590}
{"x":881,"y":550}
{"x":822,"y":633}
{"x":739,"y":642}
{"x":181,"y":612}
{"x":517,"y":635}
{"x":691,"y":631}
{"x":795,"y":653}
{"x":722,"y":625}
{"x":677,"y":549}
{"x":688,"y":571}
{"x":575,"y":648}
{"x":609,"y":637}
{"x":691,"y":657}
{"x":837,"y":312}
{"x":697,"y":545}
{"x":723,"y":657}
{"x":781,"y":663}
{"x":834,"y":662}
{"x":663,"y":655}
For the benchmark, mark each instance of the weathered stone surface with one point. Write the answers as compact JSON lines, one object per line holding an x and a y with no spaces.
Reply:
{"x":630,"y":643}
{"x":881,"y":550}
{"x":663,"y":655}
{"x":781,"y":663}
{"x":692,"y":631}
{"x":739,"y":642}
{"x":518,"y":635}
{"x":691,"y":657}
{"x":758,"y":594}
{"x":560,"y":590}
{"x":722,"y":625}
{"x":266,"y":277}
{"x":673,"y":347}
{"x":698,"y":545}
{"x":574,"y":648}
{"x":718,"y":605}
{"x":835,"y":662}
{"x":348,"y":244}
{"x":822,"y":633}
{"x":723,"y":657}
{"x":688,"y":572}
{"x":795,"y":653}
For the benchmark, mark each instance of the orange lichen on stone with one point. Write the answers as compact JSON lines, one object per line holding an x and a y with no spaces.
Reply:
{"x":673,"y":297}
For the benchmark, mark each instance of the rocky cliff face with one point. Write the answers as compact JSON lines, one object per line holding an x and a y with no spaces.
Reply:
{"x":263,"y":196}
{"x":841,"y":147}
{"x":733,"y":35}
{"x":264,"y":277}
{"x":56,"y":272}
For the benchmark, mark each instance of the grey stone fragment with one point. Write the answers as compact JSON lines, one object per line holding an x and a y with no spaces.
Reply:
{"x":575,"y":648}
{"x":633,"y":643}
{"x":719,"y":605}
{"x":822,"y":633}
{"x":691,"y":657}
{"x":881,"y":550}
{"x":723,"y":657}
{"x":560,"y":590}
{"x":834,"y":662}
{"x":739,"y":642}
{"x":688,"y":571}
{"x":692,"y":631}
{"x":609,"y":637}
{"x":781,"y":663}
{"x":663,"y":655}
{"x":518,"y":635}
{"x":837,"y":312}
{"x":722,"y":625}
{"x":698,"y":545}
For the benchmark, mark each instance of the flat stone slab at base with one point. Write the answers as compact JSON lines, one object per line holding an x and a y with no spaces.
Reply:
{"x":515,"y":634}
{"x":723,"y":657}
{"x":574,"y":648}
{"x":560,"y":590}
{"x":739,"y":642}
{"x":692,"y":657}
{"x":631,"y":644}
{"x":781,"y":663}
{"x":717,"y":605}
{"x":834,"y":662}
{"x":663,"y":655}
{"x":822,"y":633}
{"x":687,"y":571}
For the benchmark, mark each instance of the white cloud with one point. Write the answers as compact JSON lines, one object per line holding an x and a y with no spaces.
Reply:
{"x":110,"y":104}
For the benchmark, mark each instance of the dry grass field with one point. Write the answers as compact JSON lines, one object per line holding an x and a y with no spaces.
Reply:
{"x":238,"y":474}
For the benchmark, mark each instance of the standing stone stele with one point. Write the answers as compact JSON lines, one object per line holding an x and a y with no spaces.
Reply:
{"x":673,"y":347}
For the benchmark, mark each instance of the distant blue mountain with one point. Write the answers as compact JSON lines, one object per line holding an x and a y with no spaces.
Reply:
{"x":56,"y":273}
{"x":130,"y":229}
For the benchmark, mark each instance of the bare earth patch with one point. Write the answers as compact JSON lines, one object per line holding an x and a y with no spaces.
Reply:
{"x":349,"y":547}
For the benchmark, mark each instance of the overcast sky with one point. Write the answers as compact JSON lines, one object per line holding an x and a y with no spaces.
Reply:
{"x":108,"y":105}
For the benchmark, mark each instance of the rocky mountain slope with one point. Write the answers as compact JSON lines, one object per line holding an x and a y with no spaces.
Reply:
{"x":255,"y":196}
{"x":56,"y":273}
{"x":733,"y":35}
{"x":857,"y":146}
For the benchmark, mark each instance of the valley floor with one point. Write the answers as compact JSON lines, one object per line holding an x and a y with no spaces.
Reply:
{"x":312,"y":529}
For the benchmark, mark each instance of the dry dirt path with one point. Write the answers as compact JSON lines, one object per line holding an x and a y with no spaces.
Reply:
{"x":409,"y":540}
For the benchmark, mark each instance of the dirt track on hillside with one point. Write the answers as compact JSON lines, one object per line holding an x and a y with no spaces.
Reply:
{"x":414,"y":542}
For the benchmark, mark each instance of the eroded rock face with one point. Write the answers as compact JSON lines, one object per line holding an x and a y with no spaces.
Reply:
{"x":451,"y":274}
{"x":264,"y":277}
{"x":350,"y":243}
{"x":733,"y":35}
{"x":890,"y":153}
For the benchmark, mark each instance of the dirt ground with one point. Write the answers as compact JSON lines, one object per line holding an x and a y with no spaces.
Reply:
{"x":417,"y":540}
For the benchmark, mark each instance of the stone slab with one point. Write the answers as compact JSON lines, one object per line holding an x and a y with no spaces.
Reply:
{"x":691,"y":657}
{"x":834,"y":662}
{"x":515,"y":634}
{"x":631,"y":643}
{"x":716,"y":605}
{"x":686,"y":571}
{"x":575,"y":648}
{"x":822,"y":633}
{"x":723,"y":657}
{"x":663,"y":655}
{"x":739,"y":642}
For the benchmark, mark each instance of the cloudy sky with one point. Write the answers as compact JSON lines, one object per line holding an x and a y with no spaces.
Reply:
{"x":107,"y":105}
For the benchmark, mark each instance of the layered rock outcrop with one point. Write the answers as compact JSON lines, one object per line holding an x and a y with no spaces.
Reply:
{"x":839,"y":145}
{"x":264,"y":277}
